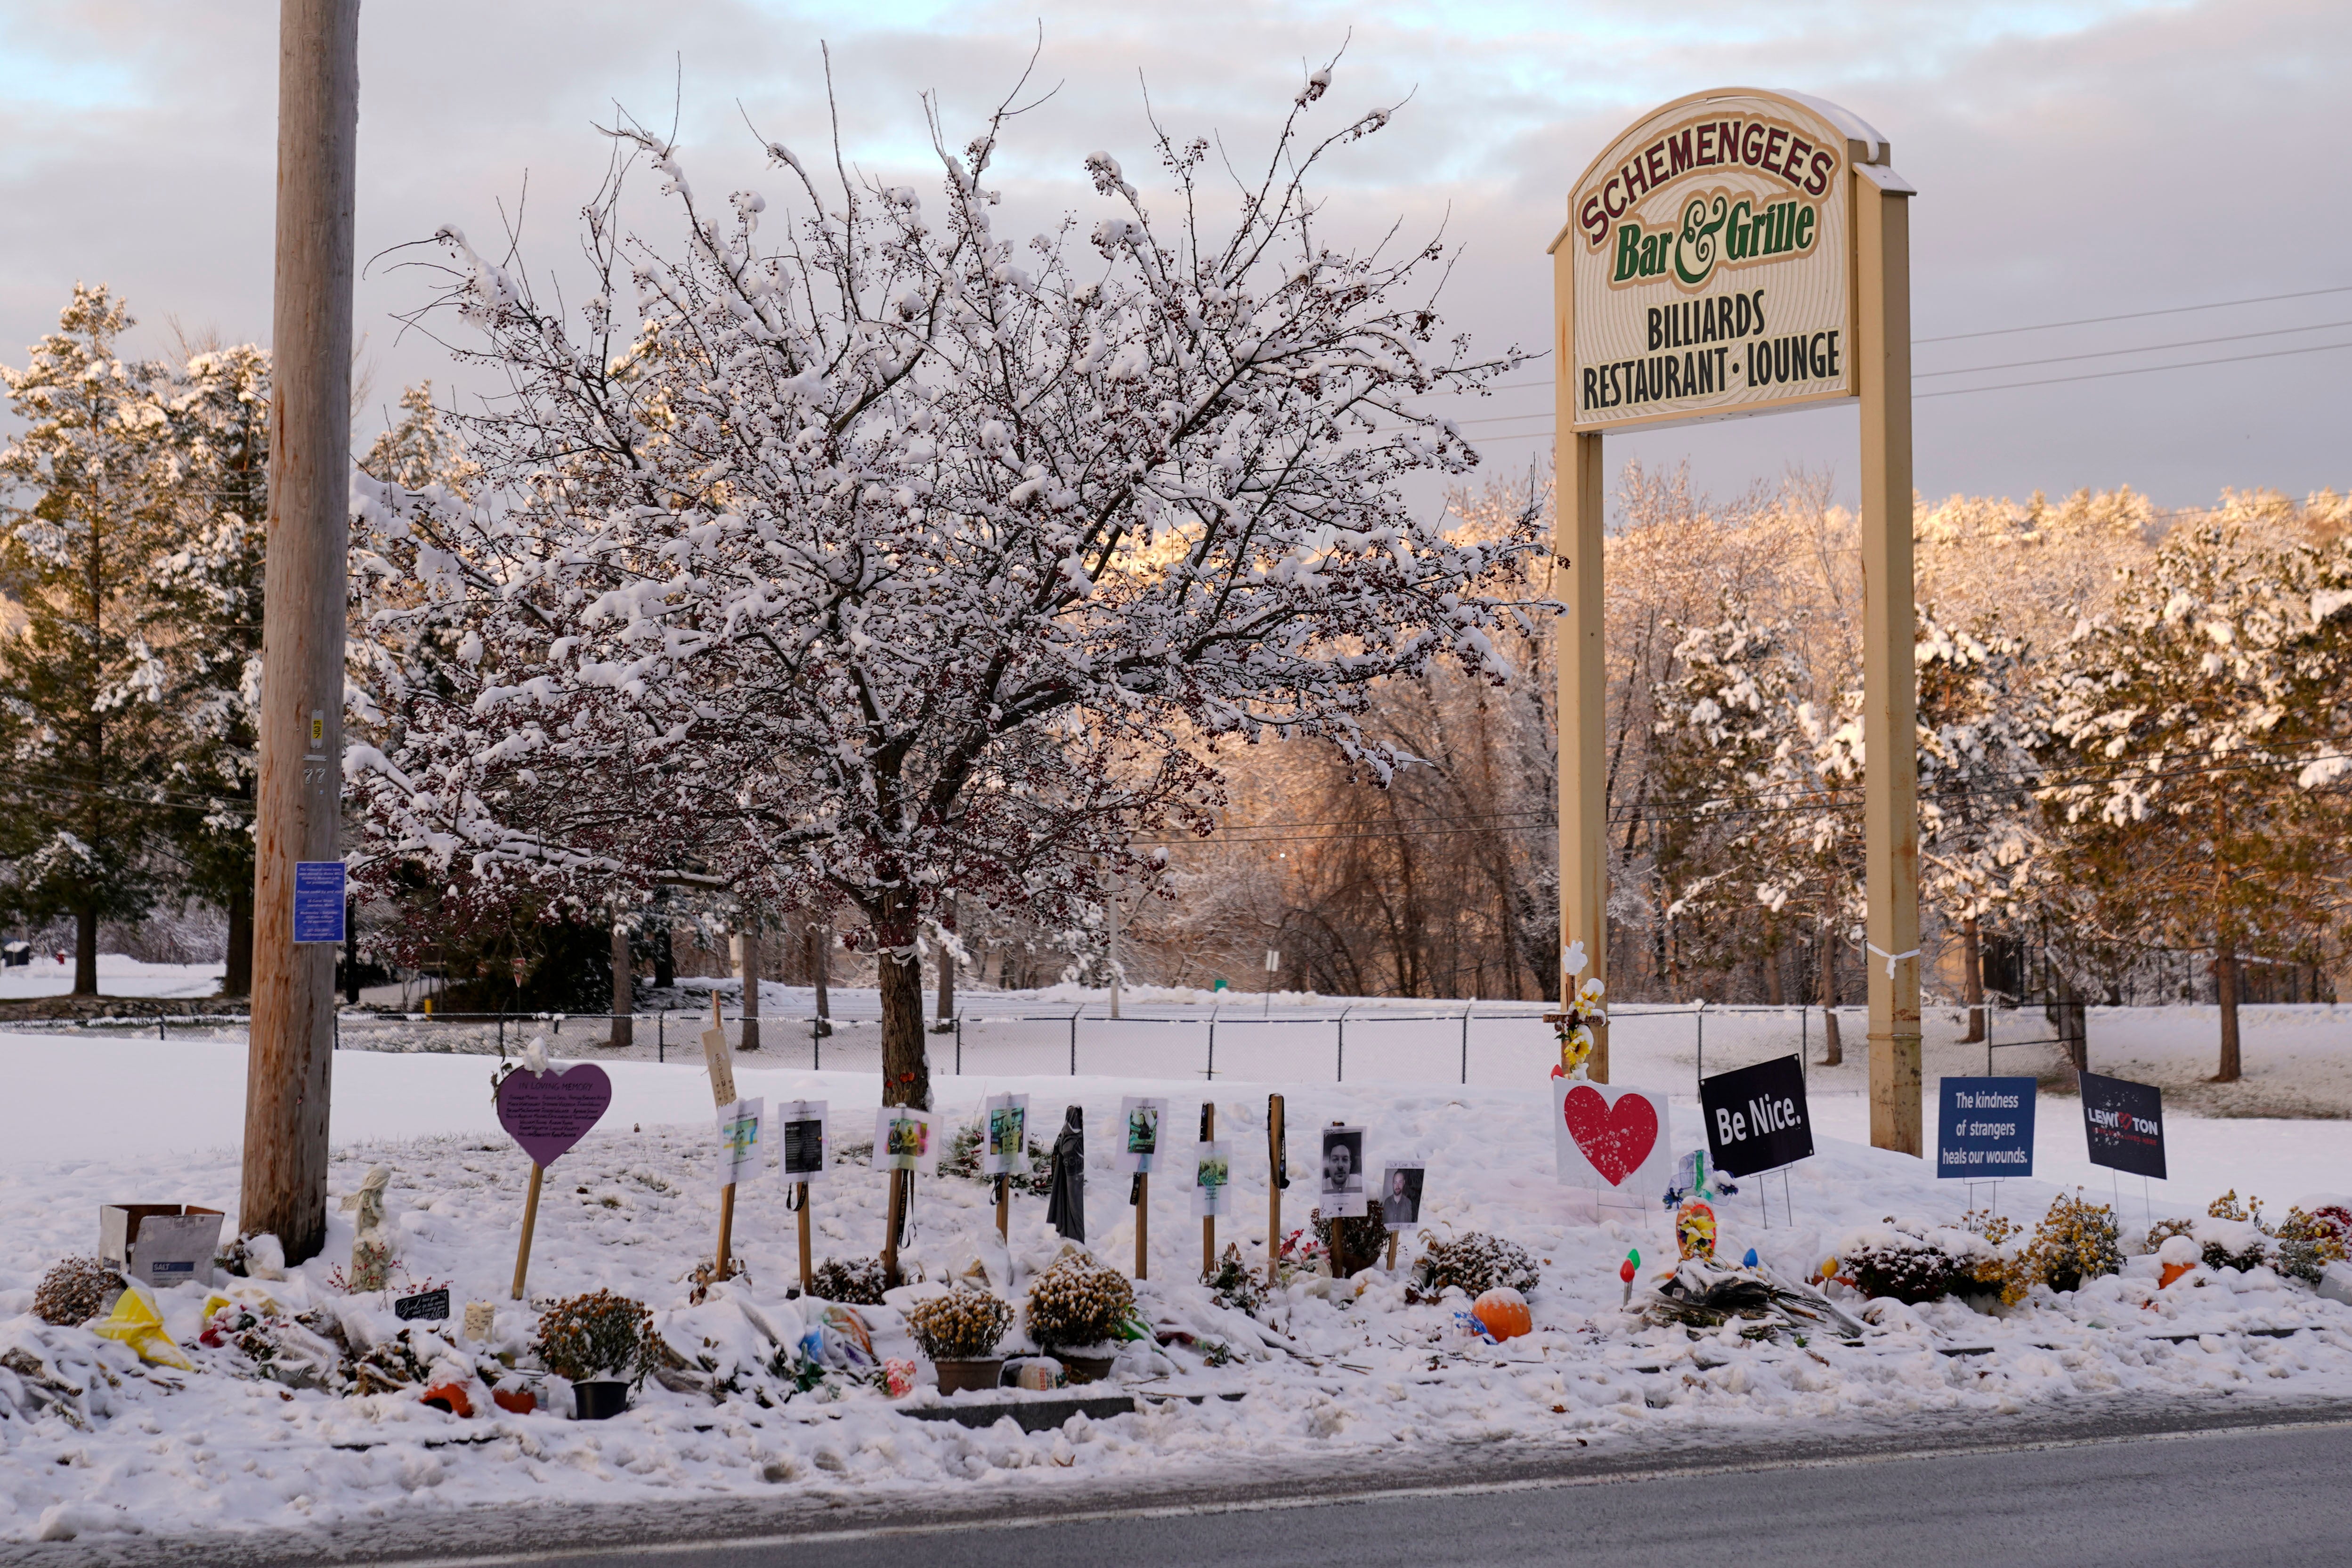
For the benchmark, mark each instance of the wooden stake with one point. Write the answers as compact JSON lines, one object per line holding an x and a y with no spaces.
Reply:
{"x":1004,"y":1209}
{"x":1393,"y":1241}
{"x":1208,"y":1221}
{"x":530,"y":1224}
{"x":299,"y":797}
{"x":808,"y":1273}
{"x":1143,"y":1224}
{"x":897,"y":1216}
{"x":1274,"y":1175}
{"x":726,"y":1229}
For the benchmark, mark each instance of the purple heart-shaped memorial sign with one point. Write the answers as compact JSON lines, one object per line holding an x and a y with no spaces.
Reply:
{"x":549,"y":1112}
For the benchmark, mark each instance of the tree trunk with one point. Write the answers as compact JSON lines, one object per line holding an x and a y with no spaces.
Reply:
{"x":238,"y":979}
{"x":85,"y":950}
{"x":1972,"y":979}
{"x":820,"y":940}
{"x":1832,"y":1047}
{"x":1773,"y":991}
{"x":664,"y":958}
{"x":624,"y":1026}
{"x":747,"y":968}
{"x":906,"y":1063}
{"x":2225,"y":991}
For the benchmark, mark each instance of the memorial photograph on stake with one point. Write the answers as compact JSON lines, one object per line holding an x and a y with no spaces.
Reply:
{"x":1400,"y":1193}
{"x":802,"y":1125}
{"x":1141,"y":1120}
{"x":1342,"y":1189}
{"x":904,"y":1140}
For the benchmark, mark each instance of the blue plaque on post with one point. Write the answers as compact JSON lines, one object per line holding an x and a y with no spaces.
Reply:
{"x":319,"y":900}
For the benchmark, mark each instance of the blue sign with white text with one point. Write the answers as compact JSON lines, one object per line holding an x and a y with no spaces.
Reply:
{"x":1987,"y":1128}
{"x":319,"y":900}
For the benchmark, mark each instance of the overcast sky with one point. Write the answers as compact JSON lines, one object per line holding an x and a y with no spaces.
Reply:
{"x":2073,"y":159}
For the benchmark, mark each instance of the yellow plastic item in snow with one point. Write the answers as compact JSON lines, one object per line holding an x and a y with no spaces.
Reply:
{"x":137,"y":1324}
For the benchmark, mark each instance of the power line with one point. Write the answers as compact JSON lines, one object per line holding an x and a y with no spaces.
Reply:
{"x":2149,"y":349}
{"x":2134,"y":315}
{"x":2138,"y":370}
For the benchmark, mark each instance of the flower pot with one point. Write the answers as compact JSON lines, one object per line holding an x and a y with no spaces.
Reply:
{"x":598,"y":1399}
{"x":955,"y":1376}
{"x":1086,"y":1368}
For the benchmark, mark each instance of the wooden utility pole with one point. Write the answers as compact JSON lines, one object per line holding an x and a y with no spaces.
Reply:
{"x":1890,"y":685}
{"x":289,"y":1062}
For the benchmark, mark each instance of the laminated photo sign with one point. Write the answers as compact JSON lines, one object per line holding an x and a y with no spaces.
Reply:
{"x":1004,"y":1136}
{"x":1213,"y":1175}
{"x":1609,"y":1138}
{"x":905,"y":1140}
{"x":2123,"y":1122}
{"x":1756,"y":1117}
{"x":1984,"y":1128}
{"x":162,"y":1244}
{"x":743,"y":1155}
{"x":802,"y":1136}
{"x":1141,"y":1122}
{"x":1341,"y":1193}
{"x":1400,"y":1193}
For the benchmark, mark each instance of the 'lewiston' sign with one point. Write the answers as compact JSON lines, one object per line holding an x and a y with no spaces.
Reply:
{"x":1987,"y":1128}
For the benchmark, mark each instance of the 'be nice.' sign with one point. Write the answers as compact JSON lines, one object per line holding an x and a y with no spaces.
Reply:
{"x":1757,"y":1118}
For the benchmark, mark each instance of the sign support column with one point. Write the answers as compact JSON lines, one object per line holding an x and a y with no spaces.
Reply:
{"x":1890,"y":634}
{"x":1582,"y":652}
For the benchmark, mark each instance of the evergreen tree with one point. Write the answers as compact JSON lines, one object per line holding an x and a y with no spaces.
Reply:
{"x":85,"y":796}
{"x":2208,"y":716}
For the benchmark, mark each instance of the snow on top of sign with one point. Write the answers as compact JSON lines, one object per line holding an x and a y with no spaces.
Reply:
{"x":1854,"y":126}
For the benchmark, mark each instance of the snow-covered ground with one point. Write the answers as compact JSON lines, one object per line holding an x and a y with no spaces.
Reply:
{"x":1326,"y":1371}
{"x":117,"y":976}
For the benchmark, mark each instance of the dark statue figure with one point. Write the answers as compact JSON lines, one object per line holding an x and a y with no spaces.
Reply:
{"x":1065,"y":1202}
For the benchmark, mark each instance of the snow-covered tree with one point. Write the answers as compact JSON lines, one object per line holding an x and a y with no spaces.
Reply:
{"x":902,"y":560}
{"x":2204,"y":800}
{"x":207,"y":583}
{"x":86,"y":739}
{"x":1981,"y":739}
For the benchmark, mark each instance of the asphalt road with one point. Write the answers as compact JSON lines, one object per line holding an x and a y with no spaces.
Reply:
{"x":2210,"y":1487}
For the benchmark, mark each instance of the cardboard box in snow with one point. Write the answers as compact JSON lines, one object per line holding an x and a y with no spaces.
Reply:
{"x":162,"y":1244}
{"x":2336,"y":1283}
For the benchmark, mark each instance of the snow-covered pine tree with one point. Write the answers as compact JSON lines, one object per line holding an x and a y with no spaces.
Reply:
{"x":1981,"y":739}
{"x":84,"y":794}
{"x":903,"y":560}
{"x":2209,"y":715}
{"x":207,"y":584}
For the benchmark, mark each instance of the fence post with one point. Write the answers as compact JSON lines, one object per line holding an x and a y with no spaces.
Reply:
{"x":1212,"y":1040}
{"x":958,"y":1024}
{"x":1074,"y":1040}
{"x":1341,"y":1076}
{"x":1465,"y":1039}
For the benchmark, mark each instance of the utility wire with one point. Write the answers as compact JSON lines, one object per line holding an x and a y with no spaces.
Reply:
{"x":2149,"y":349}
{"x":2134,"y":315}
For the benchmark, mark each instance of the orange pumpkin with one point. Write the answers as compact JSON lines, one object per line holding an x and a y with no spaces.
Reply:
{"x":1503,"y":1313}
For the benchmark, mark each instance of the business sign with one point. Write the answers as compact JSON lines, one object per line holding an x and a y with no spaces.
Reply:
{"x":2124,"y":1124}
{"x":1714,"y":262}
{"x":1985,"y":1128}
{"x":319,"y":900}
{"x":1755,"y":1118}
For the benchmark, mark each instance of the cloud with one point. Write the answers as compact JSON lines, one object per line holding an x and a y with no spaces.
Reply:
{"x":2072,"y":160}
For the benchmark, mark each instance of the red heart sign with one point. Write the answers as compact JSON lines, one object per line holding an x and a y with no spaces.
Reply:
{"x":1617,"y":1139}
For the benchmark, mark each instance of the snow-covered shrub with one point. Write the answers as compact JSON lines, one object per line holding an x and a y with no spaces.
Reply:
{"x":1232,"y":1284}
{"x":2308,"y":1243}
{"x":599,"y":1334}
{"x":2077,"y":1240}
{"x":1354,"y":1241}
{"x":74,"y":1290}
{"x":859,"y":1282}
{"x":1914,"y":1261}
{"x":965,"y":1324}
{"x":1078,"y":1303}
{"x":1475,"y":1263}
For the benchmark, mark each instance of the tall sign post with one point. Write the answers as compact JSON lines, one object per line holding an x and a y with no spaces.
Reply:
{"x":1733,"y":253}
{"x":297,"y":869}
